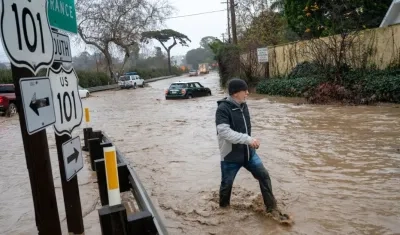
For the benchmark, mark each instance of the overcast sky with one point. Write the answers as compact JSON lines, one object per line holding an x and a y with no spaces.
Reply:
{"x":195,"y":27}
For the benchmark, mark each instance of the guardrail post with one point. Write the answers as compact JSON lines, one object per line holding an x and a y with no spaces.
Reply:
{"x":110,"y":158}
{"x":102,"y":181}
{"x":86,"y":136}
{"x":123,"y":175}
{"x":99,"y":167}
{"x":141,"y":223}
{"x":147,"y":220}
{"x":87,"y":115}
{"x":113,"y":220}
{"x":95,"y":150}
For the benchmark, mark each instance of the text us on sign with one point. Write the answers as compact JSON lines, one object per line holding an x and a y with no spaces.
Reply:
{"x":67,"y":102}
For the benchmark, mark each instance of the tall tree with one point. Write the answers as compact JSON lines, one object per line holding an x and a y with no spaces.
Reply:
{"x":198,"y":56}
{"x":246,"y":11}
{"x":104,"y":23}
{"x":269,"y":28}
{"x":163,"y":36}
{"x":328,"y":17}
{"x":205,"y":41}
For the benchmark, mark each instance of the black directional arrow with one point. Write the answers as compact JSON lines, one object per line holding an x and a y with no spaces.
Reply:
{"x":36,"y":104}
{"x":73,"y":156}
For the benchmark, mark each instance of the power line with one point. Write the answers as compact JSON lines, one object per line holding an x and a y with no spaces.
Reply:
{"x":202,"y":13}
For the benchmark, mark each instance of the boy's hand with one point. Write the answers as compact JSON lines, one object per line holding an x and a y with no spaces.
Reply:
{"x":255,"y":144}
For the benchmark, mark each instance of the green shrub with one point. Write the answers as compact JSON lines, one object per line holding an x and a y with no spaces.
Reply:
{"x":228,"y":58}
{"x":305,"y":69}
{"x":85,"y":78}
{"x":5,"y":76}
{"x":287,"y":87}
{"x":359,"y":86}
{"x":384,"y":88}
{"x":92,"y":79}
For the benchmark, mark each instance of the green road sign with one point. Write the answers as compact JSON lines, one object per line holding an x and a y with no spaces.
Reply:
{"x":62,"y":15}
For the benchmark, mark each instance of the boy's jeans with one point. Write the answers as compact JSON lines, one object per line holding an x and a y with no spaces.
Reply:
{"x":257,"y":169}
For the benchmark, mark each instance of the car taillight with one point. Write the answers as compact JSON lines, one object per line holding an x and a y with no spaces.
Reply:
{"x":183,"y":91}
{"x":1,"y":100}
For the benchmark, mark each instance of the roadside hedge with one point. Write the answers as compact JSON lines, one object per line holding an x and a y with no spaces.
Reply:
{"x":86,"y":78}
{"x":92,"y":79}
{"x":5,"y":76}
{"x":357,"y":86}
{"x":154,"y":73}
{"x":295,"y":87}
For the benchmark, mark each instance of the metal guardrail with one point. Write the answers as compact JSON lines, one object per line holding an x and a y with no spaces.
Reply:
{"x":114,"y":219}
{"x":115,"y":86}
{"x":158,"y":79}
{"x":102,"y":88}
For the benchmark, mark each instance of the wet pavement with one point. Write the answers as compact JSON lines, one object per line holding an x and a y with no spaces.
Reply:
{"x":335,"y":169}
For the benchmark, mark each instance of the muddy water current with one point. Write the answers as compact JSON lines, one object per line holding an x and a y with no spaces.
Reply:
{"x":335,"y":169}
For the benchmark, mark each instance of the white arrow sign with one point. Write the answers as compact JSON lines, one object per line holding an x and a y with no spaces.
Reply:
{"x":73,"y":160}
{"x":67,"y":102}
{"x":37,"y":102}
{"x":26,"y":33}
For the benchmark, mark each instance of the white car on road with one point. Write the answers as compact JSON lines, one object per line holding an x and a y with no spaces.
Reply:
{"x":83,"y":93}
{"x":128,"y":81}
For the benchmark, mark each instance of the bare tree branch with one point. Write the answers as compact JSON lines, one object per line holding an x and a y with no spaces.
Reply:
{"x":103,"y":23}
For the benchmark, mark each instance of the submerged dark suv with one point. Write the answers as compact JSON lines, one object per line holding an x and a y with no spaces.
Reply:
{"x":186,"y":90}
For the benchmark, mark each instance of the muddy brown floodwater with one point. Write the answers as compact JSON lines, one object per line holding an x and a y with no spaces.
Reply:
{"x":336,"y":169}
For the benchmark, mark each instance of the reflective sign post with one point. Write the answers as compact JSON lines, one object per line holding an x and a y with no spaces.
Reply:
{"x":27,"y":41}
{"x":39,"y":166}
{"x":70,"y":186}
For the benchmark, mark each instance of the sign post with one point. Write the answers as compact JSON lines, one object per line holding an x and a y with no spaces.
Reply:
{"x":38,"y":164}
{"x":68,"y":109}
{"x":26,"y":37}
{"x":69,"y":114}
{"x":37,"y":102}
{"x":73,"y":160}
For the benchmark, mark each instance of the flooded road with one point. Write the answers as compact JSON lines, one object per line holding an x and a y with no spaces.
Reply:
{"x":335,"y":169}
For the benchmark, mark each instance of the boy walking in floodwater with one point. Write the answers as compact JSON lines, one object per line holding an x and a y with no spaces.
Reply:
{"x":237,"y":146}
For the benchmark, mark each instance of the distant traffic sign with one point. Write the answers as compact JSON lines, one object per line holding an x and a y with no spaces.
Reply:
{"x":26,"y":34}
{"x":62,"y":15}
{"x":73,"y":160}
{"x":62,"y":47}
{"x":67,"y":102}
{"x":37,"y":102}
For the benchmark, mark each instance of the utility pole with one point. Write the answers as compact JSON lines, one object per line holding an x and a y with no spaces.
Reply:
{"x":229,"y":24}
{"x":229,"y":21}
{"x":233,"y":18}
